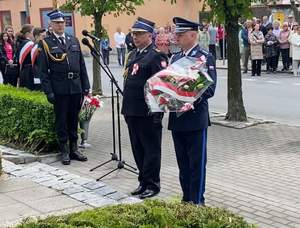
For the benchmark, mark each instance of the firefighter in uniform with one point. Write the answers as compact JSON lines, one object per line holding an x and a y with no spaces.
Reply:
{"x":145,"y":128}
{"x":189,"y":131}
{"x":64,"y":80}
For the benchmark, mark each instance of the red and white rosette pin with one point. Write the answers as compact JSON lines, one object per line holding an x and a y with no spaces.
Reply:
{"x":135,"y":68}
{"x":163,"y":64}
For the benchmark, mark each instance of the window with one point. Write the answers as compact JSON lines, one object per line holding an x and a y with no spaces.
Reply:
{"x":5,"y":19}
{"x":23,"y":17}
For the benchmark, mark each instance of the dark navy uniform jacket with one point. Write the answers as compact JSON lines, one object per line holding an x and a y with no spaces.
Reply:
{"x":198,"y":118}
{"x":139,"y":68}
{"x":54,"y":75}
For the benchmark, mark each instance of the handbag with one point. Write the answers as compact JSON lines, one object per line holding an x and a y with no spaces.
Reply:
{"x":11,"y":69}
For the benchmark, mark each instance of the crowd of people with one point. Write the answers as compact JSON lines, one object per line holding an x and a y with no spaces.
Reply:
{"x":18,"y":53}
{"x":265,"y":41}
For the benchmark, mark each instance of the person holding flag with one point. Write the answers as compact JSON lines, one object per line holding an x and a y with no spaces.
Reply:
{"x":39,"y":34}
{"x":24,"y":57}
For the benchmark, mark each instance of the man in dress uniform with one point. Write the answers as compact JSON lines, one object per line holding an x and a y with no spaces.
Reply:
{"x":189,"y":131}
{"x":64,"y":80}
{"x":145,"y":128}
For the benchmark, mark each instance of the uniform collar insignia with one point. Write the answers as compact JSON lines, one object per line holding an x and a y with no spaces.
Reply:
{"x":194,"y":52}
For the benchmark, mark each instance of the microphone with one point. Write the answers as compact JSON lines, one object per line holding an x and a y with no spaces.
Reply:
{"x":86,"y":33}
{"x":86,"y":42}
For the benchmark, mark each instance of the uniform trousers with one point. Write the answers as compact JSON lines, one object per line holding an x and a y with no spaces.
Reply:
{"x":145,"y":137}
{"x":67,"y":109}
{"x":212,"y":49}
{"x":191,"y":154}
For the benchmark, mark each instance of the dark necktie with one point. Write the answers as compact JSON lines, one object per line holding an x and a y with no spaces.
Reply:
{"x":62,"y":40}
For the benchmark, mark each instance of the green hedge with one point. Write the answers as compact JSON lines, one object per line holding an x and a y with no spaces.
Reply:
{"x":150,"y":214}
{"x":26,"y":120}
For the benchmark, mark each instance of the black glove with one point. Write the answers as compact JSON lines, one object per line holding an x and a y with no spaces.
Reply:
{"x":51,"y":98}
{"x":157,"y":117}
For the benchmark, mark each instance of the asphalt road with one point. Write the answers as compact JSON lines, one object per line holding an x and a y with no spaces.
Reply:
{"x":269,"y":97}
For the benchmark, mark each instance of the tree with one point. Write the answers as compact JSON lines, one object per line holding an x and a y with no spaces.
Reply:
{"x":229,"y":12}
{"x":295,"y":10}
{"x":97,"y":9}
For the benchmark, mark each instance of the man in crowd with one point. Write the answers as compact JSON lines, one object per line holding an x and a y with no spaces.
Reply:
{"x":129,"y":41}
{"x":38,"y":34}
{"x":291,"y":21}
{"x":189,"y":131}
{"x":64,"y":81}
{"x":119,"y":37}
{"x":145,"y":129}
{"x":246,"y":50}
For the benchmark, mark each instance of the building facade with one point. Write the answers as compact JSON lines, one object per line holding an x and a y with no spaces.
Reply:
{"x":13,"y":12}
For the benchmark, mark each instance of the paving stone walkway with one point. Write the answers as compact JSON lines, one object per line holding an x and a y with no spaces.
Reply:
{"x":40,"y":190}
{"x":253,"y":171}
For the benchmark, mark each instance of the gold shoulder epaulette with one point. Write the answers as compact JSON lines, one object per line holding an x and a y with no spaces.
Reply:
{"x":53,"y":58}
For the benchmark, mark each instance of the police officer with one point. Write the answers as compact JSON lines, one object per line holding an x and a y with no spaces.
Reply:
{"x":189,"y":131}
{"x":64,"y":81}
{"x":145,"y":129}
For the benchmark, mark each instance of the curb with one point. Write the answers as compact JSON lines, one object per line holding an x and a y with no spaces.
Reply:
{"x":219,"y":119}
{"x":23,"y":157}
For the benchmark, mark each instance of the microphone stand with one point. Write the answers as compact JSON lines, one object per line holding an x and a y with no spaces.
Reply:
{"x":114,"y":157}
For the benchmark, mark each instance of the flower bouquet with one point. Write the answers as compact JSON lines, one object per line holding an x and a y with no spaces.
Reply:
{"x":177,"y":87}
{"x":89,"y":105}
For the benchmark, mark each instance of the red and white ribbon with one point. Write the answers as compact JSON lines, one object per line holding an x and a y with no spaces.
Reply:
{"x":26,"y":49}
{"x":34,"y":53}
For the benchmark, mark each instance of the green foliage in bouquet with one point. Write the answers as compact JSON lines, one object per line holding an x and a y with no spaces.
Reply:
{"x":150,"y":214}
{"x":26,"y":120}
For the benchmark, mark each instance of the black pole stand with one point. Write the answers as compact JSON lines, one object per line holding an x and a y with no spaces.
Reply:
{"x":114,"y":157}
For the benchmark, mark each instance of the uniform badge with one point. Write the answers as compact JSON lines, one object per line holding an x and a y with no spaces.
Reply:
{"x":135,"y":68}
{"x":194,"y":53}
{"x":163,"y":64}
{"x":211,"y":67}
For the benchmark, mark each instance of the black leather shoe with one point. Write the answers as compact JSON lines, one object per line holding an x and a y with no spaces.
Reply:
{"x":75,"y":154}
{"x":148,"y":193}
{"x":65,"y":158}
{"x":138,"y":191}
{"x":78,"y":156}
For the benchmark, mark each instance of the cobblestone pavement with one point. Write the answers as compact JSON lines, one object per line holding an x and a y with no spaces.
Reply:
{"x":38,"y":189}
{"x":253,"y":172}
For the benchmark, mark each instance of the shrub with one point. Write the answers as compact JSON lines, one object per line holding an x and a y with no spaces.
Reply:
{"x":26,"y":120}
{"x":150,"y":214}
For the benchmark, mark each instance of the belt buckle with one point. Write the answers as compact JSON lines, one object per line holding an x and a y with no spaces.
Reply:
{"x":70,"y":75}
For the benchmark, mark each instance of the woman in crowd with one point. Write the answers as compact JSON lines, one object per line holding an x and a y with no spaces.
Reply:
{"x":293,"y":31}
{"x":222,"y":41}
{"x":162,"y":41}
{"x":7,"y":59}
{"x":271,"y":47}
{"x":256,"y":39}
{"x":174,"y":48}
{"x":10,"y":31}
{"x":276,"y":32}
{"x":284,"y":46}
{"x":295,"y":43}
{"x":25,"y":38}
{"x":204,"y":38}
